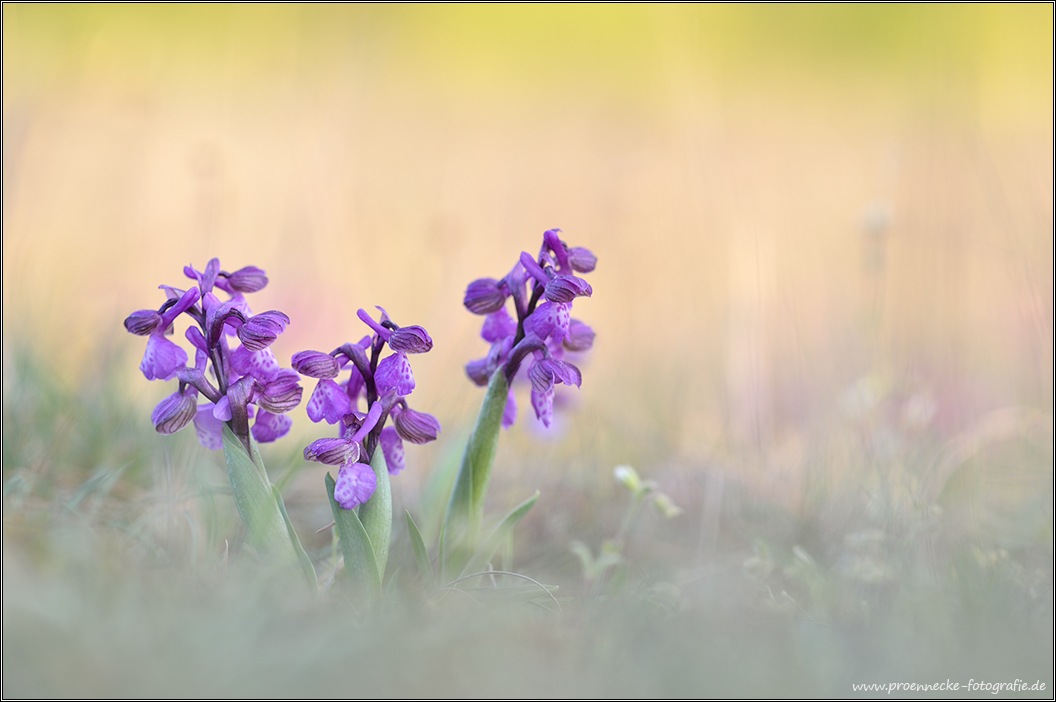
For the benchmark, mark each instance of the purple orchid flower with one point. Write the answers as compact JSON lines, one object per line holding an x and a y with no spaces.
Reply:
{"x":384,"y":384}
{"x":245,"y":375}
{"x":543,"y":289}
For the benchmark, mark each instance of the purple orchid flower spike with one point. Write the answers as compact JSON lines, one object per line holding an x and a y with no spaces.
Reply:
{"x":544,"y":327}
{"x":241,"y":377}
{"x":384,"y":384}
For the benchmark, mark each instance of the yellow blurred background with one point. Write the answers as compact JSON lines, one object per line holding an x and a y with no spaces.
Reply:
{"x":792,"y":206}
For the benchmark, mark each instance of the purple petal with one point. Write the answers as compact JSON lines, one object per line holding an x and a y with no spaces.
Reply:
{"x":369,"y":421}
{"x":261,"y":365}
{"x":369,"y":321}
{"x":568,"y":373}
{"x":534,"y":269}
{"x":477,"y":370}
{"x":509,"y":413}
{"x":143,"y":322}
{"x":412,"y":339}
{"x":332,"y":451}
{"x":281,"y":394}
{"x":582,"y":260}
{"x":549,"y":318}
{"x":219,"y":316}
{"x":262,"y":329}
{"x":162,"y":357}
{"x":416,"y":427}
{"x":248,"y":280}
{"x":175,"y":412}
{"x":186,"y":300}
{"x":552,"y":241}
{"x":194,"y":335}
{"x":543,"y":404}
{"x":541,"y":375}
{"x":498,"y":325}
{"x":354,"y":385}
{"x":565,"y":288}
{"x":208,"y":279}
{"x":484,"y":296}
{"x":392,"y":447}
{"x":394,"y":372}
{"x":209,"y":429}
{"x":355,"y":485}
{"x":329,"y":402}
{"x":316,"y":364}
{"x":222,"y":409}
{"x":270,"y":427}
{"x":580,"y":337}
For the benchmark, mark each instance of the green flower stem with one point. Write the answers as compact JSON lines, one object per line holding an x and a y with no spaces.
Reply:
{"x":376,"y":513}
{"x":465,"y":510}
{"x":364,"y":534}
{"x":261,"y":507}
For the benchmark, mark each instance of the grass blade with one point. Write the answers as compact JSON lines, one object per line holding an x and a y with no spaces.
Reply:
{"x":420,"y":554}
{"x":360,"y":563}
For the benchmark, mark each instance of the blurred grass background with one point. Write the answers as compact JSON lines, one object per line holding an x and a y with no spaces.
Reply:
{"x":824,"y":306}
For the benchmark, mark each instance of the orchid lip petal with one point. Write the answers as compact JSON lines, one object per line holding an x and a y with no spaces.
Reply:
{"x":270,"y":427}
{"x":355,"y":485}
{"x":328,"y":401}
{"x":394,"y":372}
{"x":392,"y":448}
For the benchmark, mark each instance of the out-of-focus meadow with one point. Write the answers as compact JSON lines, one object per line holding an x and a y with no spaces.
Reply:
{"x":824,"y":316}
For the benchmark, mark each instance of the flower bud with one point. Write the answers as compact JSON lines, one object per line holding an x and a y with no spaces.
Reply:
{"x":175,"y":412}
{"x":412,"y":339}
{"x":565,"y":288}
{"x":484,"y":296}
{"x":248,"y":280}
{"x":316,"y":364}
{"x":143,"y":322}
{"x":281,"y":394}
{"x":261,"y":330}
{"x":416,"y":427}
{"x":332,"y":452}
{"x":582,"y":260}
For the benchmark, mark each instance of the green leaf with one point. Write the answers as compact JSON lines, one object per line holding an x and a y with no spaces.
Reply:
{"x":499,"y":534}
{"x":420,"y":554}
{"x":586,"y":559}
{"x":436,"y":490}
{"x":266,"y":525}
{"x":465,"y":510}
{"x":360,"y":564}
{"x":307,"y":569}
{"x":376,"y":513}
